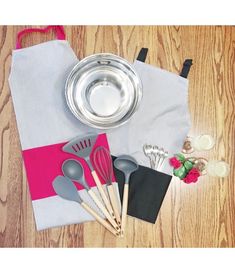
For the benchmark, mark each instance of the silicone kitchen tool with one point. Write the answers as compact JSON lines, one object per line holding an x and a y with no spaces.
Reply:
{"x":126,"y":164}
{"x":65,"y":188}
{"x":104,"y":167}
{"x":74,"y":170}
{"x":82,"y":147}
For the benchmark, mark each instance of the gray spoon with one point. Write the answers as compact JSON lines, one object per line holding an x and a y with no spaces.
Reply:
{"x":66,"y":189}
{"x":126,"y":164}
{"x":74,"y":170}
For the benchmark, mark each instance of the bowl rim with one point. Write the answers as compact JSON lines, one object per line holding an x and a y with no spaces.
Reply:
{"x":114,"y":58}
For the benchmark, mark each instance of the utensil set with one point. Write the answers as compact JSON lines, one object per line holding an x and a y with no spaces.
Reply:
{"x":66,"y":189}
{"x":156,"y":155}
{"x":82,"y":148}
{"x":73,"y":169}
{"x":100,"y":165}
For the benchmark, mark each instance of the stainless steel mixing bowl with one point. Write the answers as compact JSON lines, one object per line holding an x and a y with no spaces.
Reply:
{"x":103,"y":91}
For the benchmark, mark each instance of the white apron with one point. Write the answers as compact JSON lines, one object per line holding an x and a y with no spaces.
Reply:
{"x":162,"y":118}
{"x":45,"y":123}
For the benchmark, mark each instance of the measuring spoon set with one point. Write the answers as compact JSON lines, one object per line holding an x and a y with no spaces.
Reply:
{"x":107,"y":201}
{"x":156,"y":155}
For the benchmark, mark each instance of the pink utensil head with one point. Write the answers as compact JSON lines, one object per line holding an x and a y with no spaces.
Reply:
{"x":103,"y":164}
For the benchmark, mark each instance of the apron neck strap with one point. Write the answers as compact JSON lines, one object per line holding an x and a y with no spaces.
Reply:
{"x":186,"y":68}
{"x":142,"y":54}
{"x":59,"y":31}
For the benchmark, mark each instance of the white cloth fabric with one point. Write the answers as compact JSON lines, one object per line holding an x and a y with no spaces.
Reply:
{"x":162,"y":118}
{"x":37,"y":80}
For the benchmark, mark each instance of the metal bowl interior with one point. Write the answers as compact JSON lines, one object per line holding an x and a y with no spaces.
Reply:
{"x":103,"y":91}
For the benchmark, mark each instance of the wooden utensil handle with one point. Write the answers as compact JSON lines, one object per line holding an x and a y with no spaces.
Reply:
{"x":99,"y":219}
{"x":124,"y":207}
{"x":114,"y":202}
{"x":103,"y":209}
{"x":103,"y":194}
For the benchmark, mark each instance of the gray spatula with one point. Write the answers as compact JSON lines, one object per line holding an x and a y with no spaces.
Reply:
{"x":82,"y":147}
{"x":66,"y":189}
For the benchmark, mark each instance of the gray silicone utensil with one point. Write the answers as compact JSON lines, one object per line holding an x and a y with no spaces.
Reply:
{"x":126,"y":164}
{"x":82,"y":147}
{"x":66,"y":189}
{"x":73,"y":169}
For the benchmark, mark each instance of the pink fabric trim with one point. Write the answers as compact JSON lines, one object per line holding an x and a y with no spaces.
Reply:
{"x":59,"y":30}
{"x":43,"y":164}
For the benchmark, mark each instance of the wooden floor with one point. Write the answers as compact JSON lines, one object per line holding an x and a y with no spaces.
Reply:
{"x":201,"y":215}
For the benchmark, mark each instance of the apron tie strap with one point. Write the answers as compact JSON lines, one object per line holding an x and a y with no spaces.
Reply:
{"x":142,"y":54}
{"x":186,"y":68}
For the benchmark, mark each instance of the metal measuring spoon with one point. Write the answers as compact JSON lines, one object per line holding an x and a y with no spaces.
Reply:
{"x":73,"y":169}
{"x":155,"y":152}
{"x":160,"y":154}
{"x":148,"y":152}
{"x":165,"y":155}
{"x":126,"y":164}
{"x":66,"y":189}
